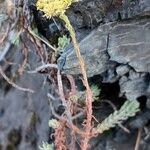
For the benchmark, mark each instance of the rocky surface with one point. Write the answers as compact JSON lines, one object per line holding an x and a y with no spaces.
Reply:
{"x":129,"y":43}
{"x":89,"y":13}
{"x":118,"y":51}
{"x":126,"y":43}
{"x":22,"y":125}
{"x":4,"y":26}
{"x":23,"y":116}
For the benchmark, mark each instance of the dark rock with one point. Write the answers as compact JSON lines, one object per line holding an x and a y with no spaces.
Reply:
{"x":94,"y":50}
{"x":22,"y":110}
{"x":125,"y":9}
{"x":117,"y":51}
{"x":141,"y":120}
{"x":10,"y":147}
{"x":121,"y":136}
{"x":130,"y":44}
{"x":112,"y":51}
{"x":118,"y":41}
{"x":110,"y":75}
{"x":90,"y":13}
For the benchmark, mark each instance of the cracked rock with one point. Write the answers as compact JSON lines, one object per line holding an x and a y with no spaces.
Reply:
{"x":89,"y":13}
{"x":117,"y":51}
{"x":122,"y":70}
{"x":127,"y":42}
{"x":93,"y":49}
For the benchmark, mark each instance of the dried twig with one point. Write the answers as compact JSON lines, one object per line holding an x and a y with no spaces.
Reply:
{"x":62,"y":97}
{"x":13,"y":84}
{"x":43,"y":40}
{"x":43,"y":67}
{"x":77,"y":115}
{"x":138,"y":140}
{"x":58,"y":11}
{"x":72,"y":84}
{"x":5,"y":35}
{"x":5,"y":51}
{"x":22,"y":67}
{"x":60,"y":137}
{"x":55,"y":114}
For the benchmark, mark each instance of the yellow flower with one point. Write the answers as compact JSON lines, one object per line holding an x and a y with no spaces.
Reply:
{"x":54,"y":7}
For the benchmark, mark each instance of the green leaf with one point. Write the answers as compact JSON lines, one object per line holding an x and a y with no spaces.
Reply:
{"x":129,"y":109}
{"x":63,"y":43}
{"x":46,"y":146}
{"x":16,"y":39}
{"x":96,"y":91}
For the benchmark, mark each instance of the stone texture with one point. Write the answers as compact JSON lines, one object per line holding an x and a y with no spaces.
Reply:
{"x":118,"y":51}
{"x":89,"y":13}
{"x":122,"y":70}
{"x":126,"y":42}
{"x":125,"y":9}
{"x":135,"y":88}
{"x":129,"y":43}
{"x":25,"y":113}
{"x":93,"y":49}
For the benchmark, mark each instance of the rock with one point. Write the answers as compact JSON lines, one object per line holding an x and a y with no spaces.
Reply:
{"x":141,"y":120}
{"x":118,"y":42}
{"x":90,"y":13}
{"x":122,"y":70}
{"x":135,"y":88}
{"x":129,"y":43}
{"x":4,"y":26}
{"x":117,"y":51}
{"x":124,"y":9}
{"x":110,"y":76}
{"x":93,"y":49}
{"x":25,"y":113}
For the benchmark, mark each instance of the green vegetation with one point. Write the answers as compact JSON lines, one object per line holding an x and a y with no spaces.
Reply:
{"x":46,"y":146}
{"x":57,"y":8}
{"x":63,"y":43}
{"x":129,"y":109}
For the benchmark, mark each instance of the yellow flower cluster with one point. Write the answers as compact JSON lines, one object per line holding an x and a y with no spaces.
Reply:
{"x":54,"y":7}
